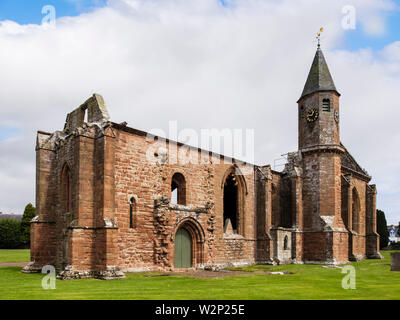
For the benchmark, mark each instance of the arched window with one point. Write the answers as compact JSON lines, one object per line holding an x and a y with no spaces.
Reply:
{"x":66,"y":189}
{"x":132,"y":213}
{"x":355,"y":211}
{"x":285,"y":243}
{"x":178,"y":189}
{"x":231,"y":202}
{"x":234,"y":196}
{"x":326,"y":105}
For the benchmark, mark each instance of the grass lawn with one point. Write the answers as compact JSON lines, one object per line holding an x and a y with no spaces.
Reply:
{"x":374,"y":281}
{"x":17,"y":255}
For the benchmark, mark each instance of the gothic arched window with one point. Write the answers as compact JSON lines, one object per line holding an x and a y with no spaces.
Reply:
{"x":178,"y":189}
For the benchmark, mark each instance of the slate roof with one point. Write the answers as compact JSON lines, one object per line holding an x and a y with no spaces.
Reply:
{"x":349,"y":162}
{"x":319,"y":77}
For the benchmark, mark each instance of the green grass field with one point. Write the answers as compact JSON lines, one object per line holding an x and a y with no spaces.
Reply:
{"x":20,"y":255}
{"x":374,"y":280}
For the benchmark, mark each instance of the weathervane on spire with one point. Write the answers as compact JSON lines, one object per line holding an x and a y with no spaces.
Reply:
{"x":319,"y":36}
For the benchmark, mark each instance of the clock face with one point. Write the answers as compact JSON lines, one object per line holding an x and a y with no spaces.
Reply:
{"x":312,"y":115}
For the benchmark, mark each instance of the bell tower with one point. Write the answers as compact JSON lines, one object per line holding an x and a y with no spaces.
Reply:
{"x":318,"y":107}
{"x":320,"y":149}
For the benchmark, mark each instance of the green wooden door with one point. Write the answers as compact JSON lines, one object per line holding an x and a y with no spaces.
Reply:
{"x":183,"y":249}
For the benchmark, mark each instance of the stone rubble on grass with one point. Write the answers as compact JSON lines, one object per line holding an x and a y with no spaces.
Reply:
{"x":332,"y":267}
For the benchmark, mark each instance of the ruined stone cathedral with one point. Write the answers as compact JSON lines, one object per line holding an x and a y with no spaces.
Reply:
{"x":105,"y":209}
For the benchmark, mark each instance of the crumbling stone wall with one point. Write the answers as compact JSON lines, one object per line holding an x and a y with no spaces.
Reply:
{"x":74,"y":239}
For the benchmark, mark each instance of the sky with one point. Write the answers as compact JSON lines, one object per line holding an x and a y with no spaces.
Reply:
{"x":205,"y":64}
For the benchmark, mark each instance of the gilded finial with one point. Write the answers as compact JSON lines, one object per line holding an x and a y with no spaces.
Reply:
{"x":319,"y":36}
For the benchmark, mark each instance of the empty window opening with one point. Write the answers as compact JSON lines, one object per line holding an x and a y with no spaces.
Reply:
{"x":326,"y":105}
{"x":132,"y":213}
{"x":174,"y":194}
{"x":178,"y":189}
{"x":231,"y":203}
{"x":286,"y":206}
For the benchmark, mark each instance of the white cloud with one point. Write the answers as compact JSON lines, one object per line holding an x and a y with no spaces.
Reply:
{"x":392,"y":51}
{"x":203,"y":65}
{"x":371,"y":15}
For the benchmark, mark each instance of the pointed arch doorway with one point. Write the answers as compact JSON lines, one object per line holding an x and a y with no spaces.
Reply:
{"x":183,"y":249}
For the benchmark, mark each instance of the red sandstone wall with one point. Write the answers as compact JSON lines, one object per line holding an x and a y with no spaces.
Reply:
{"x":314,"y":246}
{"x":340,"y":247}
{"x":136,"y":177}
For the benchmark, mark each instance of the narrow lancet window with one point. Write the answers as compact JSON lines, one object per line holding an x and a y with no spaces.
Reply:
{"x":131,"y":211}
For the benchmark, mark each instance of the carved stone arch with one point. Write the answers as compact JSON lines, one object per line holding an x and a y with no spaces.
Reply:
{"x":235,"y":170}
{"x":66,"y":166}
{"x":194,"y":224}
{"x":234,"y":193}
{"x":198,"y":238}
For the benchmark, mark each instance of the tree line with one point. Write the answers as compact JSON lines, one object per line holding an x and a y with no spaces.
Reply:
{"x":15,"y":234}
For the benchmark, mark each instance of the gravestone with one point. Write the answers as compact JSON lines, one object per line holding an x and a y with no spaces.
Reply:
{"x":395,"y":261}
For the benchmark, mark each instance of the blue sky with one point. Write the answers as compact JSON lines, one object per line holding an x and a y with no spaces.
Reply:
{"x":356,"y":39}
{"x":30,"y":11}
{"x":7,"y":132}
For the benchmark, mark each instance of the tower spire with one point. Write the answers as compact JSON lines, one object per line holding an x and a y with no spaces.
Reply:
{"x":319,"y":78}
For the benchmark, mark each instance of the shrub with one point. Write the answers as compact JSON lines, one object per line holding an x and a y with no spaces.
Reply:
{"x":381,"y":228}
{"x":10,"y":234}
{"x":29,"y":214}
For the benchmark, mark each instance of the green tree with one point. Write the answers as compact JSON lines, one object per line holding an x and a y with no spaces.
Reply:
{"x":29,"y":213}
{"x":10,"y":233}
{"x":381,"y":228}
